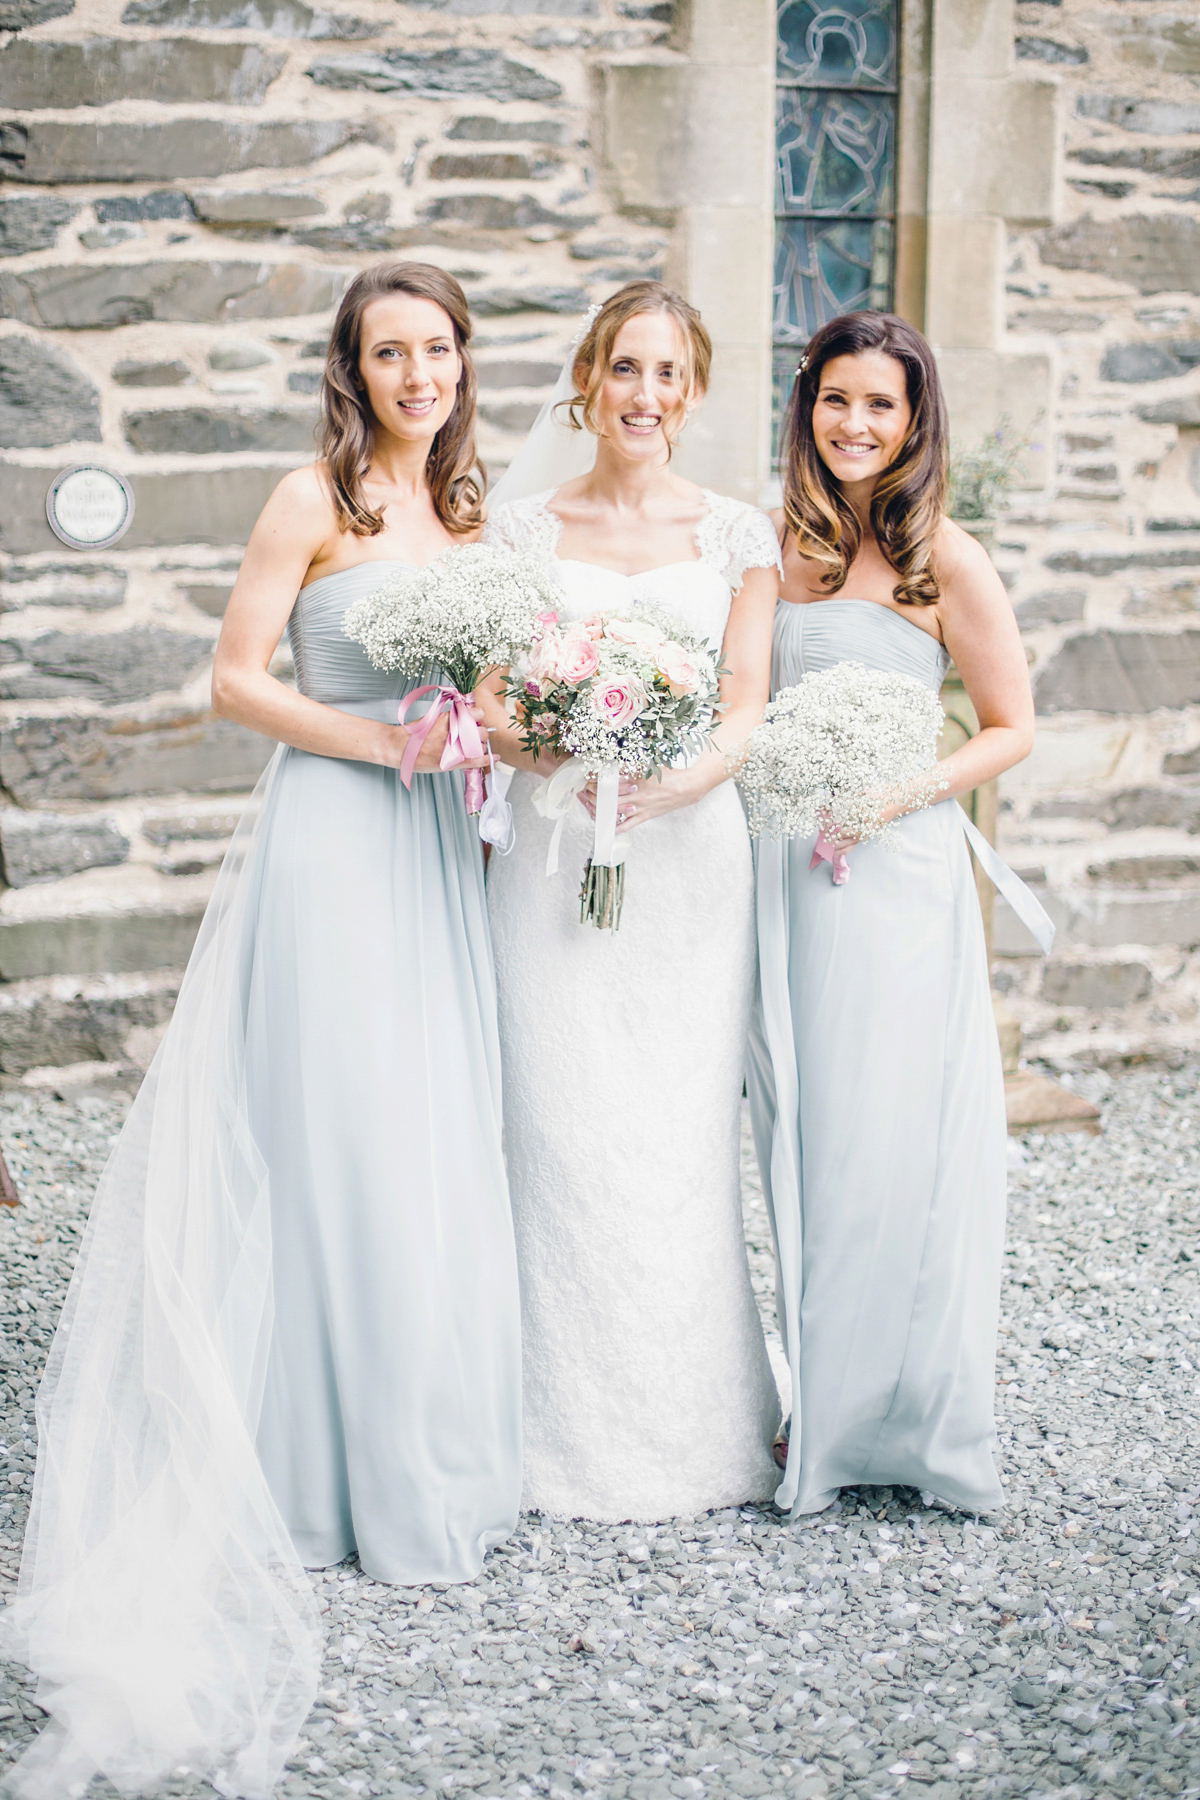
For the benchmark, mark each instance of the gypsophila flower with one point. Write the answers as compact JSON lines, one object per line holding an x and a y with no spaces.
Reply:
{"x":471,"y":610}
{"x":837,"y":749}
{"x":634,"y":691}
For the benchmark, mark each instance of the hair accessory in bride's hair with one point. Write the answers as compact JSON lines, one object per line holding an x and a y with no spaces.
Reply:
{"x":589,"y":319}
{"x":802,"y":365}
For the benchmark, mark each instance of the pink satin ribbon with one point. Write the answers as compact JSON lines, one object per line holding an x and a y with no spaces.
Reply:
{"x":823,"y":851}
{"x":463,"y":739}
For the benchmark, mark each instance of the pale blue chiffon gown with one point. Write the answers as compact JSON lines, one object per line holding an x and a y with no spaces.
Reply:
{"x":293,"y":1333}
{"x":877,"y":1102}
{"x":391,"y":1415}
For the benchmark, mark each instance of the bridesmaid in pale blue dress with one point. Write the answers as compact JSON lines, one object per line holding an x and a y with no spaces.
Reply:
{"x":294,"y":1332}
{"x":875,"y":1084}
{"x":391,"y":1405}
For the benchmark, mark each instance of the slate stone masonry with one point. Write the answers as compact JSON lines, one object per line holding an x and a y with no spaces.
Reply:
{"x":1103,"y":564}
{"x":190,"y":185}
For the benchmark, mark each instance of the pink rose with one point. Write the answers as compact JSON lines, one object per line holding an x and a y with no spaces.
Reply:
{"x":674,"y":663}
{"x":547,"y":618}
{"x":579,"y":659}
{"x":592,"y":626}
{"x":545,"y":655}
{"x":617,"y":699}
{"x":534,"y":688}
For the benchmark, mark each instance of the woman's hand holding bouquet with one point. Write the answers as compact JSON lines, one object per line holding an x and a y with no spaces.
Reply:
{"x":843,"y":753}
{"x":621,"y":698}
{"x":470,"y":611}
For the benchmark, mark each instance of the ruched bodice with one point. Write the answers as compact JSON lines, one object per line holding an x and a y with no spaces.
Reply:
{"x":820,"y":633}
{"x":329,"y":667}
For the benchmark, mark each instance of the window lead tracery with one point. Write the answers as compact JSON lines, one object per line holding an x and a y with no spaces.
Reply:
{"x":835,"y":139}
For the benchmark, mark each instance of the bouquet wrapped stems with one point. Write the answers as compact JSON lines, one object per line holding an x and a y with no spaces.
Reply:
{"x":464,"y":740}
{"x":602,"y":895}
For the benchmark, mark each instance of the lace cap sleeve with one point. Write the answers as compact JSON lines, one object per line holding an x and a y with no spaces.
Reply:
{"x":735,"y":537}
{"x":526,"y":526}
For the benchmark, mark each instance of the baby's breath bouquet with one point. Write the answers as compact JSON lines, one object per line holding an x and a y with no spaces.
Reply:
{"x":835,"y":751}
{"x":469,"y":611}
{"x":616,"y":694}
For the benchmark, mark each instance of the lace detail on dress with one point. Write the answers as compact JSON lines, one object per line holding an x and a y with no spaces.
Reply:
{"x":647,"y":1389}
{"x":734,"y":537}
{"x":525,"y":526}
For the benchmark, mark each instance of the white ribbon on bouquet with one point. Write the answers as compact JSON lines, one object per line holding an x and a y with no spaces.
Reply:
{"x":557,"y":795}
{"x":496,"y":817}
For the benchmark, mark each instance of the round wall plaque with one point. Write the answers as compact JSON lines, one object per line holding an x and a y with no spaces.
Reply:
{"x":89,"y":507}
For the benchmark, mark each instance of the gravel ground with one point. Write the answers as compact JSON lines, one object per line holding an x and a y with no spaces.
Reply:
{"x":882,"y":1648}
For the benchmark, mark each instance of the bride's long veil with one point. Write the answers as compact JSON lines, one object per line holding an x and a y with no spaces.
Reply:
{"x":552,"y":453}
{"x":161,"y":1602}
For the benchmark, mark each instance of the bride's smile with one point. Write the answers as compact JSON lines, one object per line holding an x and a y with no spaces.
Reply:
{"x":641,"y":403}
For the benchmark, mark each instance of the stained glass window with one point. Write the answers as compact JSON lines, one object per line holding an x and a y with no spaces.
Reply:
{"x":835,"y":138}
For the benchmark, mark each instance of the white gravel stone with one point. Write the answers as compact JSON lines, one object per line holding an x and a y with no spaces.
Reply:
{"x":884,"y":1647}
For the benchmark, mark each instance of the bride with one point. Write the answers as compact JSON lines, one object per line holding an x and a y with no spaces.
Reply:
{"x":648,"y":1393}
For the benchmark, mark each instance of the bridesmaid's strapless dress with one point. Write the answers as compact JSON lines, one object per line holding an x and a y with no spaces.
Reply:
{"x":391,"y":1416}
{"x":877,"y":1101}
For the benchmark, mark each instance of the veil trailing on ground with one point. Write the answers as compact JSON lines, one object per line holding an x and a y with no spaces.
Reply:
{"x":554,"y":451}
{"x":161,"y":1602}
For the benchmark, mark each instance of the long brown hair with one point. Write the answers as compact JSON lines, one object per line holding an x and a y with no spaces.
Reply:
{"x":457,"y":479}
{"x":595,"y":348}
{"x":908,"y":503}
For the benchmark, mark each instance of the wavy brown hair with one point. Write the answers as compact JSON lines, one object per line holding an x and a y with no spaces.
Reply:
{"x":595,"y":348}
{"x":908,"y":503}
{"x":457,"y":479}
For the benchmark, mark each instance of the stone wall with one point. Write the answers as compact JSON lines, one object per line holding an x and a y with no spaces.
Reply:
{"x":1103,"y":562}
{"x":188,"y":186}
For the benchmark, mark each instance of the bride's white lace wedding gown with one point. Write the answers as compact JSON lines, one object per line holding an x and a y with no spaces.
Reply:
{"x":648,"y":1393}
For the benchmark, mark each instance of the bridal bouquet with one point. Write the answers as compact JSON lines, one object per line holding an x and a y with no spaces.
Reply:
{"x":469,"y":611}
{"x":835,"y":750}
{"x":617,"y":695}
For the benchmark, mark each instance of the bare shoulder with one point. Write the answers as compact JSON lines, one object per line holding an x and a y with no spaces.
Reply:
{"x":303,"y":490}
{"x":961,"y":561}
{"x":299,"y":514}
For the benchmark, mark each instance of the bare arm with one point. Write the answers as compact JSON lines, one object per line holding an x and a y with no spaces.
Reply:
{"x":980,"y":632}
{"x":291,"y":530}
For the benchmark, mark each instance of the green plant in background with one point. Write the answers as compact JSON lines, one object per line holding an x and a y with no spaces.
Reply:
{"x":982,"y":478}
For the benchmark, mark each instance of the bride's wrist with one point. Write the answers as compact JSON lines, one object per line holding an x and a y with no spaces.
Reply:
{"x":694,"y":782}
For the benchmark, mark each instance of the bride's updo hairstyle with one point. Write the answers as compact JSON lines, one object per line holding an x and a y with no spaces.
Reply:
{"x":595,"y":349}
{"x":457,"y":479}
{"x":909,"y":500}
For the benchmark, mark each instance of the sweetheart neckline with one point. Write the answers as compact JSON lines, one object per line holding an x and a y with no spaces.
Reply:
{"x":683,"y":562}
